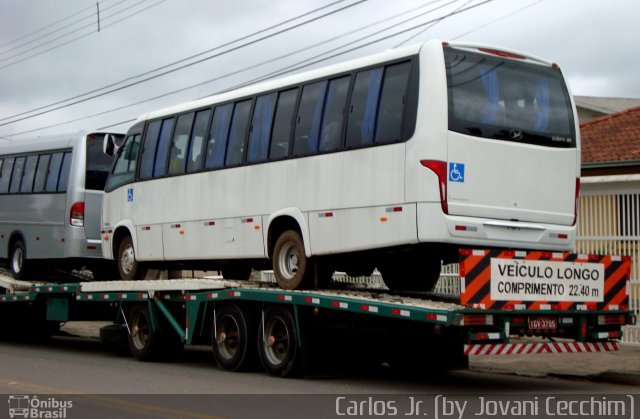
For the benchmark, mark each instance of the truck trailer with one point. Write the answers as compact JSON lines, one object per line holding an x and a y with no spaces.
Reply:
{"x":510,"y":303}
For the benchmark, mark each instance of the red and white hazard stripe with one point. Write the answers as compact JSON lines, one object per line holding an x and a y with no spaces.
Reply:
{"x":538,"y":348}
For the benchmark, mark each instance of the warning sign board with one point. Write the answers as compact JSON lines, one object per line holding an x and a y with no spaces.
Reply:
{"x":543,"y":280}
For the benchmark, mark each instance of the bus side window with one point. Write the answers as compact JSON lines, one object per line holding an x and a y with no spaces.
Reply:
{"x":305,"y":139}
{"x":160,"y":166}
{"x":7,"y":167}
{"x":364,"y":105}
{"x":41,"y":172}
{"x":29,"y":174}
{"x":65,"y":169}
{"x":149,"y":149}
{"x":196,"y":145}
{"x":54,"y":172}
{"x":238,"y":132}
{"x":16,"y":177}
{"x":392,"y":102}
{"x":282,"y":123}
{"x":333,"y":117}
{"x":218,"y":136}
{"x":261,"y":128}
{"x":180,"y":144}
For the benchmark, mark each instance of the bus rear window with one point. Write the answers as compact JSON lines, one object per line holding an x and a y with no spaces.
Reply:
{"x":98,"y":163}
{"x":506,"y":99}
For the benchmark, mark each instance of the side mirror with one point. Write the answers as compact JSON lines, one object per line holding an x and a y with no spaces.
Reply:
{"x":112,"y":143}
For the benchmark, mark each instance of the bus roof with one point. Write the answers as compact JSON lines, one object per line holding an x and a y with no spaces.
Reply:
{"x":275,"y":84}
{"x":49,"y":142}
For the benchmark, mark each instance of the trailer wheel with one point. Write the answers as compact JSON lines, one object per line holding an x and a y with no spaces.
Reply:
{"x":233,"y":339}
{"x":128,"y":267}
{"x":278,"y":343}
{"x":290,"y":263}
{"x":143,"y":341}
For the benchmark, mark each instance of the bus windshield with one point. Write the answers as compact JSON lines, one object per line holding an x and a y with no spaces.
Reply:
{"x":508,"y":99}
{"x":98,"y":163}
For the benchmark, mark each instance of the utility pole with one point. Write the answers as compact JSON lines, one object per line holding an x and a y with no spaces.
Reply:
{"x":98,"y":12}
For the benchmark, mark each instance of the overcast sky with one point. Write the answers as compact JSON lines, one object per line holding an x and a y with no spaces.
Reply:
{"x":51,"y":50}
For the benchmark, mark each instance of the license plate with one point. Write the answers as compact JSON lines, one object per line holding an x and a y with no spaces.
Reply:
{"x":544,"y":323}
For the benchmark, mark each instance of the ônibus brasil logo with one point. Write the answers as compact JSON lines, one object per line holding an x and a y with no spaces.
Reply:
{"x":26,"y":406}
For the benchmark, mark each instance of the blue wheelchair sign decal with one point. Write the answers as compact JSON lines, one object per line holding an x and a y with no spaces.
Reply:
{"x":130,"y":195}
{"x":456,"y":172}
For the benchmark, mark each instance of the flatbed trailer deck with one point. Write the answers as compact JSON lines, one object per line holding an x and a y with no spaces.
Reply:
{"x":247,"y":321}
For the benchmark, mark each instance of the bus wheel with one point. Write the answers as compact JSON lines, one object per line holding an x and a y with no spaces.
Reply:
{"x":233,"y":339}
{"x":143,"y":341}
{"x":278,"y":343}
{"x":18,"y":261}
{"x":128,"y":267}
{"x":290,"y":262}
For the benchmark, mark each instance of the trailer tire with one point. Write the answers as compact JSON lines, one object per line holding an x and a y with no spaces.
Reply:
{"x":128,"y":266}
{"x":278,"y":343}
{"x":233,"y":339}
{"x":144,"y":342}
{"x":291,"y":266}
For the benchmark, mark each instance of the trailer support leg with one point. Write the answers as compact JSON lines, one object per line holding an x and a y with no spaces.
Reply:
{"x":172,"y":321}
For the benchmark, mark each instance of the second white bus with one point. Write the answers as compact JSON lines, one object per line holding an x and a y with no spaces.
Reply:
{"x":394,"y":161}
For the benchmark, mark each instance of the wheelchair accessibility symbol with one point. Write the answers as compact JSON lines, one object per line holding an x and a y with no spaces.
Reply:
{"x":456,"y":172}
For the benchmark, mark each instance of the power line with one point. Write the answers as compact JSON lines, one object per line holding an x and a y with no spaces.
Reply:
{"x":78,"y":37}
{"x":286,"y":70}
{"x":171,"y":64}
{"x":75,"y":22}
{"x":497,"y":19}
{"x":81,"y":98}
{"x":426,"y":28}
{"x":46,"y":26}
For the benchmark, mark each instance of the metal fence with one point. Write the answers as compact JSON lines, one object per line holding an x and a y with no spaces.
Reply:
{"x":609,"y":223}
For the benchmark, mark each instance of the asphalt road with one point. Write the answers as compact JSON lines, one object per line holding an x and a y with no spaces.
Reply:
{"x":104,"y":381}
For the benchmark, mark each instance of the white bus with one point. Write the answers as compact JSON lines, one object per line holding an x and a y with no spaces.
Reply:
{"x":394,"y":161}
{"x":50,"y":203}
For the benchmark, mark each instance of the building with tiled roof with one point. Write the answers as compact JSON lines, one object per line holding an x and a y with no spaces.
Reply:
{"x":591,"y":107}
{"x":611,"y":144}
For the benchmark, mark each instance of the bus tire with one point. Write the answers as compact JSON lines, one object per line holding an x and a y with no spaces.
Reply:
{"x":20,"y":267}
{"x":144,"y":342}
{"x":233,"y":339}
{"x":278,"y":343}
{"x":128,"y":266}
{"x":290,"y":263}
